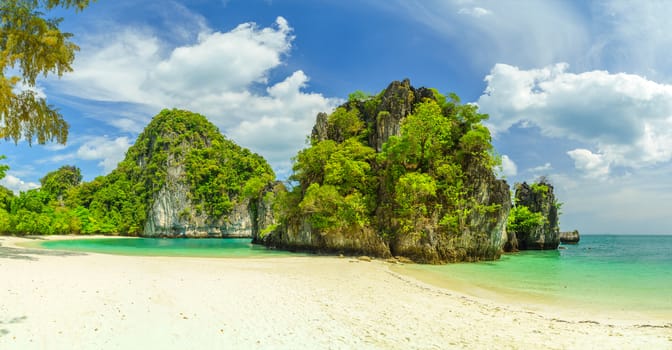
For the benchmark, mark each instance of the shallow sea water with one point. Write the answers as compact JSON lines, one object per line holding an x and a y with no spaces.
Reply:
{"x":631,"y":274}
{"x":202,"y":247}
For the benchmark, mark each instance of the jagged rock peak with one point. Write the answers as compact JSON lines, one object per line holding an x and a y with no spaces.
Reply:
{"x":321,"y":128}
{"x":390,"y":107}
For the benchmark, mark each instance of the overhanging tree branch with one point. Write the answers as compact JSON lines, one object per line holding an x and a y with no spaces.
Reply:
{"x":34,"y":46}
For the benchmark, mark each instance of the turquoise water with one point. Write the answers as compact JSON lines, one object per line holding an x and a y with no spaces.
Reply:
{"x":625,"y":273}
{"x":204,"y":247}
{"x":622,"y":273}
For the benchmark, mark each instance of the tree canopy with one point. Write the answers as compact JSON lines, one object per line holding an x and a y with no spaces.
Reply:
{"x":217,"y":173}
{"x":59,"y":181}
{"x":32,"y":45}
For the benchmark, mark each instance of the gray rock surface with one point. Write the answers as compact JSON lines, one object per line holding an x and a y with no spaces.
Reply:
{"x":570,"y":237}
{"x":172,"y":213}
{"x":538,"y":200}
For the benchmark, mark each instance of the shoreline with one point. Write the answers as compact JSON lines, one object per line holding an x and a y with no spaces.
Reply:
{"x":116,"y":302}
{"x":423,"y":279}
{"x":544,"y":305}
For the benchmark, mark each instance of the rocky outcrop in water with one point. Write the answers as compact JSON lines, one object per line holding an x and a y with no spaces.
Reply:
{"x":452,"y":207}
{"x":541,"y":231}
{"x":571,"y":237}
{"x":303,"y":237}
{"x":480,"y":238}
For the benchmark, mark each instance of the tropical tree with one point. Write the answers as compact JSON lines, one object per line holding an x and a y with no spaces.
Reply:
{"x":32,"y":45}
{"x":57,"y":182}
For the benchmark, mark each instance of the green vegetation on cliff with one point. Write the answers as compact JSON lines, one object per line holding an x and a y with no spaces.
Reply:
{"x":218,"y":173}
{"x":416,"y":196}
{"x":216,"y":169}
{"x":533,"y":222}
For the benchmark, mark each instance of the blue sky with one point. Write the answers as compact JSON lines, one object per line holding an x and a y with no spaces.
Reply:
{"x":578,"y":91}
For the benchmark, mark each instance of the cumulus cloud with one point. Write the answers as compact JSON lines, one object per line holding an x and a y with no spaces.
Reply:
{"x":113,"y":66}
{"x":222,"y":62}
{"x":17,"y":185}
{"x":286,"y":116}
{"x":109,"y":151}
{"x":223,"y":75}
{"x":594,"y":165}
{"x":627,"y":118}
{"x":509,"y":167}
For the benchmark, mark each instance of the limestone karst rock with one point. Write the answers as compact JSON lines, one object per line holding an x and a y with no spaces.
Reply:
{"x":570,"y":237}
{"x":544,"y":234}
{"x":193,"y":182}
{"x":463,"y":221}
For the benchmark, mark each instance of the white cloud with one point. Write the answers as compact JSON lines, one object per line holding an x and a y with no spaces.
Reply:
{"x":541,"y":168}
{"x":113,"y":66}
{"x":109,"y":151}
{"x":594,"y":165}
{"x":627,"y":118}
{"x":17,"y":185}
{"x":474,"y":11}
{"x":622,"y":36}
{"x":222,"y":62}
{"x":134,"y":65}
{"x":621,"y":204}
{"x":134,"y":125}
{"x":219,"y":76}
{"x":526,"y":33}
{"x":509,"y":167}
{"x":57,"y":158}
{"x":286,"y":118}
{"x":54,"y":147}
{"x":37,"y":90}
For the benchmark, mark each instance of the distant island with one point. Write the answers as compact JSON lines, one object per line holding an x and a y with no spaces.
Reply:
{"x":407,"y":172}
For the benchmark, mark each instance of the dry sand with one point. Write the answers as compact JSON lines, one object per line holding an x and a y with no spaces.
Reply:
{"x":50,"y":300}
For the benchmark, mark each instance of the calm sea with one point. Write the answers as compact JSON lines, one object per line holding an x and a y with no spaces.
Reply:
{"x":632,"y":274}
{"x":204,"y":247}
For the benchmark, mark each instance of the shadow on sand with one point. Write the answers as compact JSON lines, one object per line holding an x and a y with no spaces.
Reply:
{"x":14,"y":320}
{"x":31,"y":254}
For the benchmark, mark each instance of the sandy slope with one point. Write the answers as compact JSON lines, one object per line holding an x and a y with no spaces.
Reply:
{"x":94,"y":301}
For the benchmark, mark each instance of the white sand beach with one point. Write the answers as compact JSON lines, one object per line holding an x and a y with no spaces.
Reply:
{"x":51,"y":300}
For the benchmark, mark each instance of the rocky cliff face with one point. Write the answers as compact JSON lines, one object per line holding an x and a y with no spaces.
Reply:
{"x":193,"y":180}
{"x":481,"y":238}
{"x":301,"y":236}
{"x":384,"y":119}
{"x":262,"y":213}
{"x":538,"y":198}
{"x":571,"y":237}
{"x":489,"y":226}
{"x":396,"y":103}
{"x":481,"y":233}
{"x":172,"y":214}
